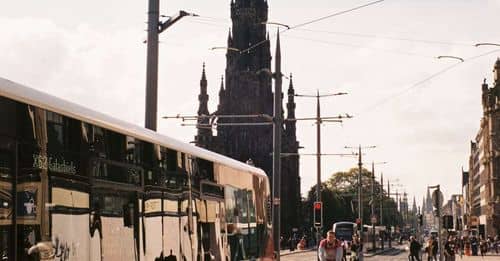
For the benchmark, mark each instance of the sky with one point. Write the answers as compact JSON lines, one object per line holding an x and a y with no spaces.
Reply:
{"x":421,"y":112}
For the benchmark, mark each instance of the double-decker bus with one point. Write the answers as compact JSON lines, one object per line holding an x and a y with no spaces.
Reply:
{"x":79,"y":185}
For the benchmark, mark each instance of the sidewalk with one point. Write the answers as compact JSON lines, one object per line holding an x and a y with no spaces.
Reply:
{"x":489,"y":256}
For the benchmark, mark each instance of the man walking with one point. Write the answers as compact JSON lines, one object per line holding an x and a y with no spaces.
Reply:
{"x":328,"y":247}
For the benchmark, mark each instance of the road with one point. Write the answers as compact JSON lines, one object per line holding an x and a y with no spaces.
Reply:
{"x":394,"y":255}
{"x":311,"y":255}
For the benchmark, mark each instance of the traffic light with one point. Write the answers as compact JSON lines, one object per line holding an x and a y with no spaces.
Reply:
{"x":420,"y":220}
{"x":318,"y":214}
{"x":447,"y":222}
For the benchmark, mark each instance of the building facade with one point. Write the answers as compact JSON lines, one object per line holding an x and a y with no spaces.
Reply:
{"x":484,"y":185}
{"x":430,"y":221}
{"x":246,"y":91}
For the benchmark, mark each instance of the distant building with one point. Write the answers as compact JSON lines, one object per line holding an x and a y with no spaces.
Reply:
{"x":466,"y":207}
{"x":247,"y":90}
{"x":484,"y":168}
{"x":430,"y":221}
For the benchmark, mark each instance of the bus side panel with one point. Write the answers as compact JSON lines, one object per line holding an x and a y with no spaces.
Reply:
{"x":70,"y":236}
{"x":171,"y":231}
{"x":153,"y":232}
{"x":118,"y":240}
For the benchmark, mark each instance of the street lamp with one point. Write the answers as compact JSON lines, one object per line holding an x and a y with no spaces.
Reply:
{"x":155,"y":27}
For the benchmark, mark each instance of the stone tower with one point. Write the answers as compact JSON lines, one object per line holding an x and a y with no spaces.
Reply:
{"x":248,"y":91}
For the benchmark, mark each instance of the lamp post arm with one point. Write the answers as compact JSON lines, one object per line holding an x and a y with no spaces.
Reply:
{"x":162,"y":26}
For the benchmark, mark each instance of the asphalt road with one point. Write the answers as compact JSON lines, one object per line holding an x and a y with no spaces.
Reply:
{"x":393,"y":255}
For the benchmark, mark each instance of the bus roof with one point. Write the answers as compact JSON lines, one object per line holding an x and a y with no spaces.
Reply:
{"x":344,"y":223}
{"x":42,"y":100}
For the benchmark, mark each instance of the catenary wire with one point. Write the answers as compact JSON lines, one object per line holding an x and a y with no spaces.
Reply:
{"x":314,"y":21}
{"x":397,"y":94}
{"x":359,"y":46}
{"x":374,"y":36}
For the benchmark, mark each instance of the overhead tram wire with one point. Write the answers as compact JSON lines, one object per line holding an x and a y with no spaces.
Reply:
{"x":396,"y":95}
{"x":336,"y":14}
{"x":313,"y":21}
{"x":224,"y":22}
{"x":359,"y":46}
{"x":374,"y":36}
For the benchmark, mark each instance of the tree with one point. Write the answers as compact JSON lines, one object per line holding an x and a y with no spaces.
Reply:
{"x":339,"y":196}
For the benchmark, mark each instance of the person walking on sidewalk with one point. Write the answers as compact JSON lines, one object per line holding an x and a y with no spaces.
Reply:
{"x":432,"y":249}
{"x":414,"y":249}
{"x":327,"y":250}
{"x":449,"y":249}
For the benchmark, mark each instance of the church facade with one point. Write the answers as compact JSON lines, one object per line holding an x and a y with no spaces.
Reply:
{"x":245,"y":94}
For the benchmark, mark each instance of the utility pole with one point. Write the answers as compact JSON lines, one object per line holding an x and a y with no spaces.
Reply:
{"x":360,"y":195}
{"x":319,"y":121}
{"x":373,"y":207}
{"x":152,"y":64}
{"x":388,"y":223}
{"x":381,"y":206}
{"x":381,"y":198}
{"x":373,"y":203}
{"x":155,"y":27}
{"x":360,"y":192}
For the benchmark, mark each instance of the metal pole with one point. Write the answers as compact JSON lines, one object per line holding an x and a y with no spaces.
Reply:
{"x":318,"y":160}
{"x":389,"y":223}
{"x":360,"y":197}
{"x":381,"y":198}
{"x":373,"y":206}
{"x":152,"y":65}
{"x":277,"y":151}
{"x":440,"y":244}
{"x":382,"y":207}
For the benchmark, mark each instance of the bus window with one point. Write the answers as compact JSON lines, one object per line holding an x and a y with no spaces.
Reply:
{"x":344,"y":230}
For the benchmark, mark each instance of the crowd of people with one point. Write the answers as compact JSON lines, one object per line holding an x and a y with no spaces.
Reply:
{"x":332,"y":248}
{"x":454,"y":246}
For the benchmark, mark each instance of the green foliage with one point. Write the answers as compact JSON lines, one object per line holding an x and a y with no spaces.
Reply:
{"x":340,"y":199}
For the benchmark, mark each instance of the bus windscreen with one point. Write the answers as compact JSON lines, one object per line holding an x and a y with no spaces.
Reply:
{"x":344,"y":232}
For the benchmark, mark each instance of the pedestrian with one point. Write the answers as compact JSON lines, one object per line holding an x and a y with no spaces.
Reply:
{"x":327,"y":250}
{"x":449,"y":250}
{"x":414,"y":249}
{"x":459,"y":246}
{"x":483,"y":247}
{"x":474,"y":245}
{"x":356,"y":248}
{"x":432,"y":249}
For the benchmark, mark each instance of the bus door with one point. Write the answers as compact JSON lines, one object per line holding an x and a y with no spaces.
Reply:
{"x":7,"y":239}
{"x":114,"y":224}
